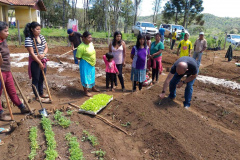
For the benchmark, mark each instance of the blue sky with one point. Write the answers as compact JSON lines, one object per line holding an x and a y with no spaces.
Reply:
{"x":220,"y":8}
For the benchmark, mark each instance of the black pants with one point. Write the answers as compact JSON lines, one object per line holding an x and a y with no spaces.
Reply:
{"x":110,"y":77}
{"x":139,"y":85}
{"x":120,"y":77}
{"x":37,"y":78}
{"x":173,"y":42}
{"x":155,"y":72}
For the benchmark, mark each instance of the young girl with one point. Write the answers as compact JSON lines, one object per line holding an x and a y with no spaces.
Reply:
{"x":139,"y":56}
{"x":111,"y":69}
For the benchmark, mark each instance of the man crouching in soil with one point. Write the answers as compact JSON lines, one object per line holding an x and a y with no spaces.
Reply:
{"x":183,"y":66}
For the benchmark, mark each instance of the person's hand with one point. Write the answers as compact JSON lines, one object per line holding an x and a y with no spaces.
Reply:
{"x":124,"y":64}
{"x":40,"y":56}
{"x":41,"y":66}
{"x":73,"y":48}
{"x":117,"y":73}
{"x":180,"y":84}
{"x":162,"y":95}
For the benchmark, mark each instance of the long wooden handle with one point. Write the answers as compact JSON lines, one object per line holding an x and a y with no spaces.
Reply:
{"x":67,"y":52}
{"x":45,"y":79}
{"x":6,"y":95}
{"x":25,"y":100}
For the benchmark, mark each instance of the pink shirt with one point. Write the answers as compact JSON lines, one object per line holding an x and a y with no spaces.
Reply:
{"x":110,"y":66}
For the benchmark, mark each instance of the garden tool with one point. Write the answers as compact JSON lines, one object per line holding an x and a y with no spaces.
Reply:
{"x":43,"y":111}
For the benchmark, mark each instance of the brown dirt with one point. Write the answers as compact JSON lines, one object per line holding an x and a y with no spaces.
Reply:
{"x":208,"y":130}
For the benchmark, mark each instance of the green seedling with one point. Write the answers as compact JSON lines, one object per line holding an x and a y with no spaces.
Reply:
{"x":74,"y":147}
{"x":69,"y":112}
{"x":100,"y":154}
{"x":127,"y":124}
{"x":34,"y":144}
{"x":51,"y":153}
{"x":91,"y":138}
{"x":62,"y":121}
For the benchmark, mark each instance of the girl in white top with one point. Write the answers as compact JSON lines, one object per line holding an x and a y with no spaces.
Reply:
{"x":118,"y":49}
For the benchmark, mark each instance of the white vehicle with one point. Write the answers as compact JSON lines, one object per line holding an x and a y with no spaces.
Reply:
{"x":234,"y":39}
{"x":169,"y":28}
{"x":145,"y":28}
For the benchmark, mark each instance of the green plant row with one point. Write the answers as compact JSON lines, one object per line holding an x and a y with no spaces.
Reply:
{"x":91,"y":138}
{"x":74,"y":147}
{"x":51,"y":153}
{"x":96,"y":102}
{"x":34,"y":144}
{"x":62,"y":120}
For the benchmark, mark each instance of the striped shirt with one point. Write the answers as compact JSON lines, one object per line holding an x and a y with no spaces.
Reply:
{"x":40,"y":46}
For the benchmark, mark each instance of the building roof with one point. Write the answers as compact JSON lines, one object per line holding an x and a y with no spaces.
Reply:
{"x":25,"y":3}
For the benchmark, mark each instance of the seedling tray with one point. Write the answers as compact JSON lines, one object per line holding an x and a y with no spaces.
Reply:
{"x":94,"y":113}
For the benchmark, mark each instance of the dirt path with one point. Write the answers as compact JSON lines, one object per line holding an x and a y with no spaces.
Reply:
{"x":208,"y":130}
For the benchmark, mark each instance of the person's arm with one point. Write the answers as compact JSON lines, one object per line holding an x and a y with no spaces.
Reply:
{"x":189,"y":53}
{"x":190,"y":49}
{"x":166,"y":84}
{"x":115,"y":68}
{"x":79,"y":53}
{"x":72,"y":45}
{"x":34,"y":57}
{"x":110,"y":48}
{"x":124,"y":52}
{"x":157,"y":53}
{"x":132,"y":53}
{"x":45,"y":50}
{"x":204,"y":47}
{"x":105,"y":59}
{"x":179,"y":46}
{"x":1,"y":60}
{"x":188,"y":79}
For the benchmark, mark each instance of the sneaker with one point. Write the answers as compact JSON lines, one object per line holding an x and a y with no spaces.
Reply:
{"x":186,"y":107}
{"x":4,"y":117}
{"x":24,"y":110}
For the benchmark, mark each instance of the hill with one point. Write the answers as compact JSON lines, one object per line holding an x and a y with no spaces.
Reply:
{"x":212,"y":22}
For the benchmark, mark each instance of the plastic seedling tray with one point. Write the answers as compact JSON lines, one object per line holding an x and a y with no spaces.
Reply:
{"x":94,"y":113}
{"x":237,"y":64}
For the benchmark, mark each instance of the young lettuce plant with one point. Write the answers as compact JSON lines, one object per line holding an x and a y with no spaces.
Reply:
{"x":62,"y":121}
{"x":91,"y":138}
{"x":34,"y":144}
{"x":74,"y":147}
{"x":51,"y":153}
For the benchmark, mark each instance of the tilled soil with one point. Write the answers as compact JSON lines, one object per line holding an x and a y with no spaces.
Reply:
{"x":157,"y":130}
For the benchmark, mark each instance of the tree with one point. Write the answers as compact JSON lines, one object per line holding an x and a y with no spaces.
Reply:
{"x":156,"y":9}
{"x":127,"y":12}
{"x":136,"y":5}
{"x":187,"y":11}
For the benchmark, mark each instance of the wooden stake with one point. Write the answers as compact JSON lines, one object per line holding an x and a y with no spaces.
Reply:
{"x":6,"y":95}
{"x":25,"y":100}
{"x":49,"y":94}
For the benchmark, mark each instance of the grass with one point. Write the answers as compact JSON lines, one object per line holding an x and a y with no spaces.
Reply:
{"x":74,"y":147}
{"x":51,"y":153}
{"x":34,"y":144}
{"x":62,"y":120}
{"x":127,"y":124}
{"x":91,"y":138}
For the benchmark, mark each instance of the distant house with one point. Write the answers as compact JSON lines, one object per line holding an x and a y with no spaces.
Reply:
{"x":25,"y":10}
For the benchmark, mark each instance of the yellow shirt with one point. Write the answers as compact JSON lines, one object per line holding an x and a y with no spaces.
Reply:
{"x":185,"y":47}
{"x":174,"y":35}
{"x":87,"y":52}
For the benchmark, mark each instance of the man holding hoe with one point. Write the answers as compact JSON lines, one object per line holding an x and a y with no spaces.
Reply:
{"x":75,"y":39}
{"x":183,"y":66}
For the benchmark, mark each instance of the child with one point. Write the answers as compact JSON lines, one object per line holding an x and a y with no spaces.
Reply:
{"x":111,"y":69}
{"x":148,"y":80}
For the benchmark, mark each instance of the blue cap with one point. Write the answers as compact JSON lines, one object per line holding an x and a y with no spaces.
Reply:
{"x":69,"y":31}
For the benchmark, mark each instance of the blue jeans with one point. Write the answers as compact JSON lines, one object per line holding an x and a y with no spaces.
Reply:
{"x":162,"y":39}
{"x":188,"y":90}
{"x":74,"y":56}
{"x":198,"y":57}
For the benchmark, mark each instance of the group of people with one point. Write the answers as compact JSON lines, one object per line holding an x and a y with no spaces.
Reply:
{"x":145,"y":55}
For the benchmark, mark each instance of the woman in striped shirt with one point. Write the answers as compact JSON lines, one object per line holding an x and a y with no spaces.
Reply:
{"x":36,"y":62}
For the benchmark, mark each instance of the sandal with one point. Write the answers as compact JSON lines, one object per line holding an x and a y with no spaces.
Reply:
{"x":88,"y":94}
{"x":44,"y":96}
{"x":44,"y":100}
{"x":4,"y":130}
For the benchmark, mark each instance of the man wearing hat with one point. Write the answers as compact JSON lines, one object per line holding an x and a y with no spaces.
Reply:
{"x":199,"y":46}
{"x":75,"y":39}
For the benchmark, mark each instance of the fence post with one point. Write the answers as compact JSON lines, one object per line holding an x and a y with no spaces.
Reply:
{"x":19,"y":36}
